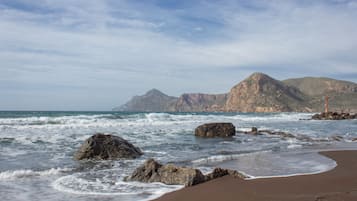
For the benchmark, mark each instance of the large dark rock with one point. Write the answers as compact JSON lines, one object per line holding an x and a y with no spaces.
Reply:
{"x":152,"y":171}
{"x":215,"y":130}
{"x":107,"y":147}
{"x":333,"y":116}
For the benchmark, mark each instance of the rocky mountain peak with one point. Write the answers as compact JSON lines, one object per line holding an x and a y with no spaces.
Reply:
{"x":259,"y":75}
{"x":152,"y":101}
{"x":261,"y":93}
{"x":154,"y":92}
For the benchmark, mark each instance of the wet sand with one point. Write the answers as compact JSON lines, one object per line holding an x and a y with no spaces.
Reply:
{"x":338,"y":184}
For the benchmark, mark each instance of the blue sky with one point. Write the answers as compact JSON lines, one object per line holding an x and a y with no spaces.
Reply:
{"x":95,"y":55}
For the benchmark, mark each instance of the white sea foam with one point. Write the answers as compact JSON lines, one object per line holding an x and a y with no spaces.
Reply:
{"x":271,"y":117}
{"x":294,"y":146}
{"x":270,"y":164}
{"x":221,"y":158}
{"x":75,"y":185}
{"x":319,"y":169}
{"x":16,"y":174}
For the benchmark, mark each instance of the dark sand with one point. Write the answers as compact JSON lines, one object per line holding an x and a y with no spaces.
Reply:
{"x":339,"y":184}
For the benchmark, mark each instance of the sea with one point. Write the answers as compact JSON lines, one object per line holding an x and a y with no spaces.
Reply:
{"x":37,"y":148}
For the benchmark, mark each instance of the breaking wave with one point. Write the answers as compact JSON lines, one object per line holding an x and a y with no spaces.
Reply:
{"x":16,"y":174}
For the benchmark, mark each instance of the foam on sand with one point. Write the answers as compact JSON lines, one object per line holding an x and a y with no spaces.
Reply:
{"x":77,"y":184}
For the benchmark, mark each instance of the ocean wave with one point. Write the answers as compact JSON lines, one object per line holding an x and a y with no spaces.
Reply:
{"x":143,"y":119}
{"x":271,"y":117}
{"x":96,"y":120}
{"x":16,"y":174}
{"x":159,"y":116}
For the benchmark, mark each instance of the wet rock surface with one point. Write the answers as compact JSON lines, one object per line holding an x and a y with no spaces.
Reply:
{"x":333,"y":116}
{"x":152,"y":171}
{"x":301,"y":137}
{"x":215,"y":130}
{"x":107,"y":147}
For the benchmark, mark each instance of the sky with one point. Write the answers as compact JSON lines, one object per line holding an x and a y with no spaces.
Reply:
{"x":97,"y":54}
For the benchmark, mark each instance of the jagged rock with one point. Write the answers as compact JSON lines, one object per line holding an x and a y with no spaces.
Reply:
{"x":333,"y":116}
{"x":219,"y":172}
{"x":152,"y":171}
{"x":215,"y":130}
{"x":107,"y":147}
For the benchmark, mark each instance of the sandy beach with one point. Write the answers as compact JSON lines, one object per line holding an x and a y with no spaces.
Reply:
{"x":338,"y":184}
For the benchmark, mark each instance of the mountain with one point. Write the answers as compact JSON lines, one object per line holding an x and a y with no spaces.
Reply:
{"x":313,"y":86}
{"x":342,"y":94}
{"x":153,"y":101}
{"x":261,"y":93}
{"x":257,"y":93}
{"x":201,"y":102}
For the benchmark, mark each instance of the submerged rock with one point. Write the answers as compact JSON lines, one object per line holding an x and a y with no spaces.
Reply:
{"x":107,"y":147}
{"x":253,"y":131}
{"x":333,"y":116}
{"x":215,"y":130}
{"x":152,"y":171}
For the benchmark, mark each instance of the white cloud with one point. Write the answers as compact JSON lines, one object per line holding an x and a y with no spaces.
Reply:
{"x":101,"y":45}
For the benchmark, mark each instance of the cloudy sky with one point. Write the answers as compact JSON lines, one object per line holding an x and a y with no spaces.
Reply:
{"x":95,"y":55}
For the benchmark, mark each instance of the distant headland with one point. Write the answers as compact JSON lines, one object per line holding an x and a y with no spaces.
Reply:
{"x":257,"y":93}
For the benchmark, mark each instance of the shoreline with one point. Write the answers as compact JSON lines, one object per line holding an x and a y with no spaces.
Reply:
{"x":339,"y":183}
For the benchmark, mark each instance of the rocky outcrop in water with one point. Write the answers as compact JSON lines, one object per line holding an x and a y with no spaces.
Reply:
{"x":152,"y":171}
{"x":215,"y":130}
{"x":333,"y":116}
{"x":107,"y":147}
{"x":282,"y":134}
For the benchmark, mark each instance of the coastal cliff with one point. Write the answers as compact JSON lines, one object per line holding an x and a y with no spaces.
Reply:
{"x":261,"y":93}
{"x":257,"y":93}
